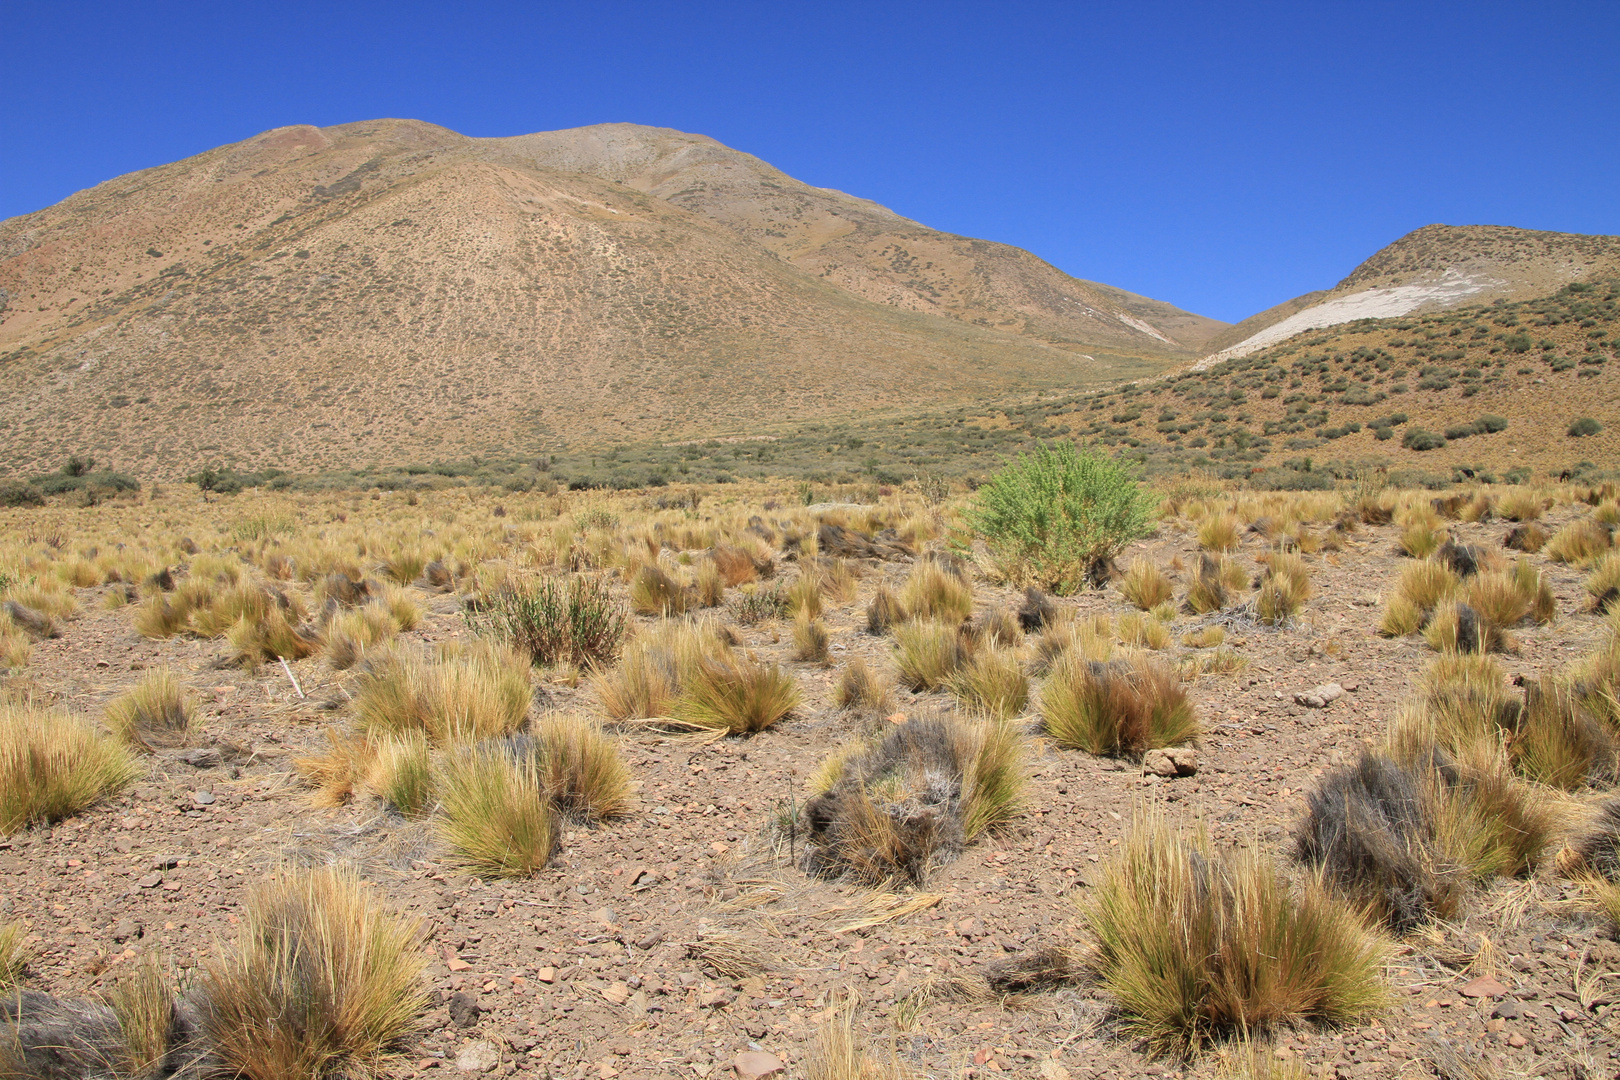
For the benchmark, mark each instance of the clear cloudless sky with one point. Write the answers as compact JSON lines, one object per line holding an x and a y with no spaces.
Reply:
{"x":1222,"y":156}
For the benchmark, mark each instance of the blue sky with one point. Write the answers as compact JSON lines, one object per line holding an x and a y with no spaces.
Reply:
{"x":1224,"y":157}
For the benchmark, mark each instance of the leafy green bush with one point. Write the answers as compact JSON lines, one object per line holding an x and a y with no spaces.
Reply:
{"x":17,"y":493}
{"x":1056,"y":513}
{"x":1584,"y":426}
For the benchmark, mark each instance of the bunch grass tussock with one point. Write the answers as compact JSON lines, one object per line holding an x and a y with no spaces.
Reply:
{"x":581,"y":767}
{"x":1219,"y":532}
{"x":461,"y":693}
{"x":13,"y":954}
{"x":1422,"y":587}
{"x":811,"y":641}
{"x":737,"y":695}
{"x":322,"y":983}
{"x":902,"y":804}
{"x":929,"y":653}
{"x":1521,"y":505}
{"x":885,"y":611}
{"x":156,"y":712}
{"x":654,"y":592}
{"x":1580,"y":543}
{"x":1121,"y":707}
{"x":498,"y":819}
{"x":54,"y":765}
{"x":1212,"y":588}
{"x":991,"y":683}
{"x":1195,"y":943}
{"x":1285,"y":585}
{"x":859,"y":687}
{"x":938,"y":589}
{"x":656,"y":665}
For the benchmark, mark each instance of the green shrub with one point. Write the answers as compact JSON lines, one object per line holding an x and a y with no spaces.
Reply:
{"x":1417,"y":438}
{"x":578,"y":622}
{"x":1055,"y":513}
{"x":1583,"y":427}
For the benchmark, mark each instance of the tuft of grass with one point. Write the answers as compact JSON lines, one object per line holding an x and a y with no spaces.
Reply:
{"x":16,"y":647}
{"x":581,"y":768}
{"x":1285,"y":585}
{"x":1400,"y":618}
{"x":14,"y":954}
{"x":859,"y":687}
{"x":836,"y":1054}
{"x":404,"y":566}
{"x":885,"y":611}
{"x":1205,"y":637}
{"x":462,"y":694}
{"x":654,"y":592}
{"x":1520,"y":506}
{"x":400,"y":772}
{"x":1219,"y":532}
{"x":933,"y":591}
{"x":54,"y":765}
{"x":1210,"y":588}
{"x":155,"y":712}
{"x":1459,"y":628}
{"x":1603,"y":583}
{"x":655,"y":665}
{"x":1194,"y":943}
{"x":352,"y":633}
{"x":991,"y":683}
{"x":810,"y":640}
{"x":1580,"y":543}
{"x":928,"y":653}
{"x":1555,"y":741}
{"x":1421,"y":538}
{"x":1142,"y":632}
{"x":322,"y":983}
{"x":161,"y":617}
{"x":1118,"y":707}
{"x":498,"y":818}
{"x":804,"y":597}
{"x":737,"y":695}
{"x":734,"y":564}
{"x":709,"y":587}
{"x":143,"y":1001}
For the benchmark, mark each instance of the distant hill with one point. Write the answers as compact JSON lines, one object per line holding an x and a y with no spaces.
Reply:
{"x":1434,"y":268}
{"x":392,"y":291}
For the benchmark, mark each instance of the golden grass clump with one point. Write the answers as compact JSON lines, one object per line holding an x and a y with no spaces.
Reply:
{"x":810,"y":640}
{"x":463,"y":693}
{"x":1212,"y":586}
{"x":1119,"y":707}
{"x":581,"y":768}
{"x":859,"y":687}
{"x":1421,"y":538}
{"x":1284,"y":586}
{"x":322,"y":983}
{"x":498,"y":817}
{"x":155,"y":712}
{"x":928,"y":653}
{"x":1195,"y":943}
{"x":13,"y":954}
{"x":937,"y":590}
{"x":1580,"y":543}
{"x":1205,"y":637}
{"x":655,"y":665}
{"x":1142,"y":631}
{"x":654,"y":592}
{"x":1603,"y":583}
{"x":885,"y":611}
{"x":350,"y":634}
{"x":1145,"y":585}
{"x":16,"y":647}
{"x":1422,"y":587}
{"x":836,"y":1053}
{"x":143,"y":1001}
{"x":399,"y":771}
{"x":54,"y":765}
{"x":991,"y":683}
{"x":736,"y":695}
{"x":1520,"y":505}
{"x":709,"y":587}
{"x":1218,"y":532}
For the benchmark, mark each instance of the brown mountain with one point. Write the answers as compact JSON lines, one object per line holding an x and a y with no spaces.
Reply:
{"x":393,"y":291}
{"x":1435,"y":268}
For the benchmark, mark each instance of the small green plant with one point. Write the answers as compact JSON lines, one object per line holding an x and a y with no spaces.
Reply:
{"x":1056,"y":514}
{"x":1583,"y":427}
{"x":553,"y":621}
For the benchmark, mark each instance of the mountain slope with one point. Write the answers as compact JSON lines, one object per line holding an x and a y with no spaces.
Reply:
{"x":394,"y":291}
{"x":1434,"y":268}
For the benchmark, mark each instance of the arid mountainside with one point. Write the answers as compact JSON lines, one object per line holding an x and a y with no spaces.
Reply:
{"x":1434,"y":268}
{"x":393,"y":291}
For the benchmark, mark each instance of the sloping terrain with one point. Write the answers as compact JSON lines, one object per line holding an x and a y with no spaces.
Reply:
{"x":1432,"y":269}
{"x":392,"y":291}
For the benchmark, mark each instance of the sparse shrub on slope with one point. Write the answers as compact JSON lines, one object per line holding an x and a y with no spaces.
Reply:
{"x":1194,"y":943}
{"x":1057,"y":517}
{"x":898,"y":806}
{"x":322,"y":983}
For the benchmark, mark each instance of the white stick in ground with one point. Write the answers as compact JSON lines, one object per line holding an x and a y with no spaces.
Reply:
{"x":290,"y":676}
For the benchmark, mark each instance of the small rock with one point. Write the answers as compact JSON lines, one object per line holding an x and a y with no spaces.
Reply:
{"x":1516,"y":1040}
{"x":1171,"y":761}
{"x":546,"y":975}
{"x":463,"y":1009}
{"x":1484,"y":986}
{"x":1507,"y":1010}
{"x":203,"y":798}
{"x":126,"y":929}
{"x":164,"y":862}
{"x":456,"y":963}
{"x":755,"y":1065}
{"x":478,"y":1057}
{"x":200,"y":757}
{"x":150,"y":881}
{"x":603,"y":915}
{"x":1053,"y":1070}
{"x":618,"y":992}
{"x":1320,"y":697}
{"x":651,"y":940}
{"x":715,"y":999}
